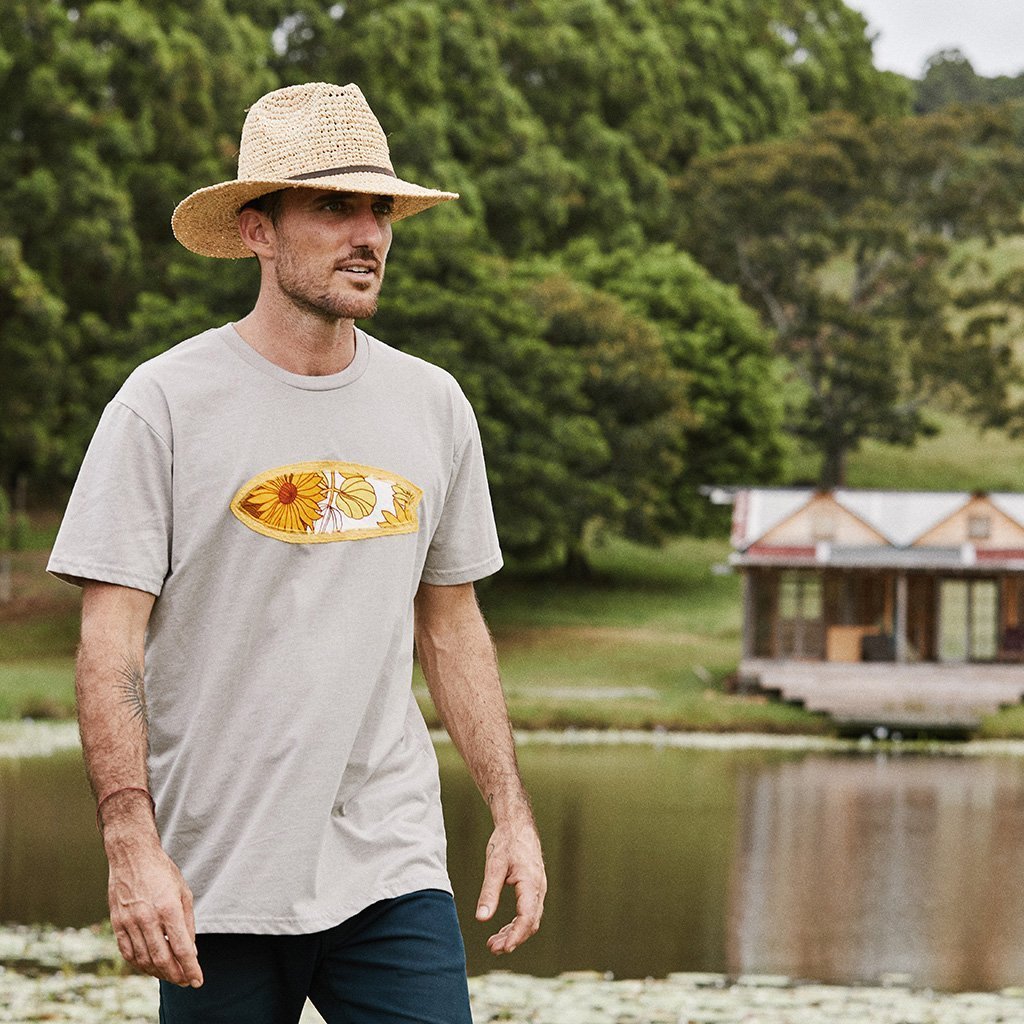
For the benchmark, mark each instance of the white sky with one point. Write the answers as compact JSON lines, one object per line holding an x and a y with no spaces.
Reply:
{"x":989,"y":32}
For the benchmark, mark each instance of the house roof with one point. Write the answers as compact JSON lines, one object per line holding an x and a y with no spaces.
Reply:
{"x":901,"y":517}
{"x":965,"y":559}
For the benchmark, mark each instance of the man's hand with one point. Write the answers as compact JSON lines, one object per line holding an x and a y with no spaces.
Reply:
{"x":151,"y":909}
{"x":514,"y":858}
{"x":458,"y":660}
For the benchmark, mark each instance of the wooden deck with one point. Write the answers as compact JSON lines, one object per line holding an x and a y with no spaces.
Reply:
{"x":919,"y":696}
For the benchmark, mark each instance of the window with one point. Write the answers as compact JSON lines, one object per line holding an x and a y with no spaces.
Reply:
{"x":979,"y":527}
{"x":823,"y":525}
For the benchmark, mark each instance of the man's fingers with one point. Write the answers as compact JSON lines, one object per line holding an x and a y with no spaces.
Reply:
{"x":495,"y":873}
{"x":530,"y":907}
{"x":156,"y":940}
{"x":124,"y":945}
{"x":183,"y":949}
{"x":165,"y":963}
{"x":139,"y":949}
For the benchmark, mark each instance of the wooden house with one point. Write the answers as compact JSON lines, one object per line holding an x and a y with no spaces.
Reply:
{"x":879,"y":576}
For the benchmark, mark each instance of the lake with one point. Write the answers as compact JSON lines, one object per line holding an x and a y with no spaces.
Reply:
{"x":835,"y":867}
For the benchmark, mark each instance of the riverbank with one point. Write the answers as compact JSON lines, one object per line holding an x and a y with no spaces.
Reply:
{"x":30,"y":738}
{"x":74,"y":975}
{"x":39,"y":739}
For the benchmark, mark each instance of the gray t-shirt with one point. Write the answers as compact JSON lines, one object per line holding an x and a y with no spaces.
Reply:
{"x":285,"y":523}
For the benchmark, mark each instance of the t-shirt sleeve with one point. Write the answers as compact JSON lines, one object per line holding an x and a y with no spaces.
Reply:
{"x":117,"y":527}
{"x":464,"y":546}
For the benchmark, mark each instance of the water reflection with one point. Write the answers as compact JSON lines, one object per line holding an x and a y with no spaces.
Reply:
{"x":848,"y":868}
{"x":52,"y":869}
{"x":638,"y":845}
{"x":835,"y":868}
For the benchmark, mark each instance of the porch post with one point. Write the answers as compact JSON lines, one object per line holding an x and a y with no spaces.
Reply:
{"x":748,"y":613}
{"x":900,"y":625}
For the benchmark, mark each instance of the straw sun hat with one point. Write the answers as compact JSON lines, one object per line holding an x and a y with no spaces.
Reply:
{"x":304,"y":136}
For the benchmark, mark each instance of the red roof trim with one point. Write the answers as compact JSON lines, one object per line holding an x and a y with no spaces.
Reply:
{"x":781,"y":551}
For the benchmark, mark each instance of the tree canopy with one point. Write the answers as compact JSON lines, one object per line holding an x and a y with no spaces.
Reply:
{"x":950,"y":79}
{"x":596,"y":144}
{"x":842,"y":236}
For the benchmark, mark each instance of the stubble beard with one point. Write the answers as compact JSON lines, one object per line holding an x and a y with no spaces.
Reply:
{"x":296,"y":286}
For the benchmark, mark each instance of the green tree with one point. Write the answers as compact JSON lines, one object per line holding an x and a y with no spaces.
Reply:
{"x":635,"y":395}
{"x":829,"y":53}
{"x":842,"y":238}
{"x":110,"y":113}
{"x":33,"y":361}
{"x":547,"y":458}
{"x":949,"y":78}
{"x":732,"y":377}
{"x":559,"y":119}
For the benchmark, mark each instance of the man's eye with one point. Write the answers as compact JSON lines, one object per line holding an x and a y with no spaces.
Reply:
{"x":383,"y":209}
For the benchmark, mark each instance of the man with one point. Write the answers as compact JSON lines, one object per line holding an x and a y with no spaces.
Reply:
{"x":266,"y":514}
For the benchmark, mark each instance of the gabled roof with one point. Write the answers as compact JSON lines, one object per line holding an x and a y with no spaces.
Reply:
{"x":901,"y":517}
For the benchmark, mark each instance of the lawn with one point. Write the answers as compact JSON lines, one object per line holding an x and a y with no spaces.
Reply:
{"x":649,"y":641}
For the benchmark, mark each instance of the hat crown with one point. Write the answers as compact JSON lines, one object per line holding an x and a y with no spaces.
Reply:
{"x":303,"y":129}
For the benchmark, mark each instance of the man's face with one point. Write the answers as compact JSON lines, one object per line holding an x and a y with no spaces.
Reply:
{"x":331,"y":249}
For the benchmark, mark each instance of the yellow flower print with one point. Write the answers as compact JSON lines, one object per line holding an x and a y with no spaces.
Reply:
{"x":402,"y":514}
{"x":353,"y":495}
{"x":289,"y":502}
{"x":327,"y":500}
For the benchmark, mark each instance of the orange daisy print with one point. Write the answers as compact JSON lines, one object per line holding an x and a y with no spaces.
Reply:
{"x":289,"y":502}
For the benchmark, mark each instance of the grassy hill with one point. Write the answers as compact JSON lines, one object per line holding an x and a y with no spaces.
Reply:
{"x":959,"y":458}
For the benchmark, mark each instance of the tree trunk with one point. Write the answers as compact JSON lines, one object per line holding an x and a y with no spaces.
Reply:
{"x":833,"y":467}
{"x":576,"y":568}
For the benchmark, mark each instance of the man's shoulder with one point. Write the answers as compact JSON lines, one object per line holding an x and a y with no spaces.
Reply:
{"x":183,"y":356}
{"x":405,"y":369}
{"x":189,"y":361}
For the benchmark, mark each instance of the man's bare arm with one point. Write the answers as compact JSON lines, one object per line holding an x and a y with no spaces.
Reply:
{"x":458,"y":660}
{"x":150,"y":904}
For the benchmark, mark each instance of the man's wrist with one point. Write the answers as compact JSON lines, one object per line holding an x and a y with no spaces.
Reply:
{"x":510,"y":805}
{"x":126,"y":817}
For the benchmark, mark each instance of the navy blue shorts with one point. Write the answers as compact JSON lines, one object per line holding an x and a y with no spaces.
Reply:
{"x":399,"y":961}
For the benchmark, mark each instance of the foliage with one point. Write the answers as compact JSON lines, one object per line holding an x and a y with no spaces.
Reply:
{"x":564,"y":119}
{"x":950,"y":79}
{"x":841,"y":236}
{"x":605,"y":395}
{"x":635,"y":394}
{"x":546,"y":453}
{"x":109,"y":112}
{"x":732,"y":380}
{"x":32,"y":357}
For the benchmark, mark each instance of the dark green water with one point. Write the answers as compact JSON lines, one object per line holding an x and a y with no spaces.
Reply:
{"x":836,"y":868}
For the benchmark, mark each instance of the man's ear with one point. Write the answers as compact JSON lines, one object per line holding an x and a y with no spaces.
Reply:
{"x":257,"y":231}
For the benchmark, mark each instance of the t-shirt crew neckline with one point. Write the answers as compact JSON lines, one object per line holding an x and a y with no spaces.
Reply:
{"x":328,"y":382}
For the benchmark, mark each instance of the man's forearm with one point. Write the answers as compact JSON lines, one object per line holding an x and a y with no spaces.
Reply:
{"x":111,"y":701}
{"x":459,"y":663}
{"x":150,"y":903}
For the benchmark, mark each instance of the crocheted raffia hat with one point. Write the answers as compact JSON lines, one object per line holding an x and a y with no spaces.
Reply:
{"x":318,"y":136}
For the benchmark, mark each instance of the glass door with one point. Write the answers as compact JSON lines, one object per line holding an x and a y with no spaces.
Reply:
{"x":968,"y":620}
{"x":801,"y":632}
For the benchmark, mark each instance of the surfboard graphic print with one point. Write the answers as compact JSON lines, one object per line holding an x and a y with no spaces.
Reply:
{"x":320,"y":502}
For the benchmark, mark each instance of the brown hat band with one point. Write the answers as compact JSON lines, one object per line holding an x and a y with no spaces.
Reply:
{"x":351,"y":169}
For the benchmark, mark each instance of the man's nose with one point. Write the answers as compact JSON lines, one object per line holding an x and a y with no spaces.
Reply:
{"x":368,"y":230}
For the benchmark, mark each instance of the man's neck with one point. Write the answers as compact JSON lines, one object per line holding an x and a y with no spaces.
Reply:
{"x":297,"y":341}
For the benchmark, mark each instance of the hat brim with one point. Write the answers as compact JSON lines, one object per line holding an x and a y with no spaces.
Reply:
{"x":206,"y":222}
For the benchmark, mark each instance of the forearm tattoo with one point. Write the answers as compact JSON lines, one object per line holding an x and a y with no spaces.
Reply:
{"x":131,"y":686}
